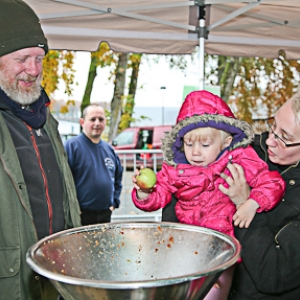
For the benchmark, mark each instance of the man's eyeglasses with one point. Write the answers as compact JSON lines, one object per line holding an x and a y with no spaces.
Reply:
{"x":272,"y":126}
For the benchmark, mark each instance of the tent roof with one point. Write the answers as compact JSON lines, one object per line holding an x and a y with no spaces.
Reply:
{"x":263,"y":30}
{"x":153,"y":26}
{"x":256,"y":28}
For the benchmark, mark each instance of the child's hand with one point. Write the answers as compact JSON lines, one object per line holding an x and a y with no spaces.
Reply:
{"x":245,"y":213}
{"x":134,"y":181}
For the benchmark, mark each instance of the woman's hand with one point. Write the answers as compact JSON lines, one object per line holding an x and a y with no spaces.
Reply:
{"x":238,"y":190}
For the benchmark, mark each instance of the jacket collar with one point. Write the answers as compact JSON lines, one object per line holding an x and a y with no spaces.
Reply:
{"x":33,"y":115}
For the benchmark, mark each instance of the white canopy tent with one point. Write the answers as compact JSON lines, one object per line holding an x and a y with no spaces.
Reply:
{"x":224,"y":27}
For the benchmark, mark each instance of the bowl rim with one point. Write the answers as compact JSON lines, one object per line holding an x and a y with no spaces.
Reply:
{"x":107,"y":284}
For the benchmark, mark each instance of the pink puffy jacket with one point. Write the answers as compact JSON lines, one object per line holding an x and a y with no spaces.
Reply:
{"x":199,"y":200}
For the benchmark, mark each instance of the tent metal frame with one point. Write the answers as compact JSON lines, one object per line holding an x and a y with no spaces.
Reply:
{"x":200,"y":32}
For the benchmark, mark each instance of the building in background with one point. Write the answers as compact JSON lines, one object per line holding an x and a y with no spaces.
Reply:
{"x":153,"y":115}
{"x":143,"y":115}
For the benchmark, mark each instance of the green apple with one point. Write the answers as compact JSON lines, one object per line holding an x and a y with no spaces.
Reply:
{"x":146,"y":179}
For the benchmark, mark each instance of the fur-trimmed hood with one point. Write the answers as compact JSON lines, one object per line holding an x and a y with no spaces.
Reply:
{"x":204,"y":109}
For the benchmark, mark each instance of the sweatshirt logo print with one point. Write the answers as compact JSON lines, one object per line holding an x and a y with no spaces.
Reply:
{"x":109,"y":163}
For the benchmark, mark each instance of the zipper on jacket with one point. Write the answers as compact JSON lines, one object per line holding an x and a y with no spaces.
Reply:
{"x":37,"y":152}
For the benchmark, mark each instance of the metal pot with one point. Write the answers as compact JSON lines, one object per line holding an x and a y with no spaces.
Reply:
{"x":134,"y":261}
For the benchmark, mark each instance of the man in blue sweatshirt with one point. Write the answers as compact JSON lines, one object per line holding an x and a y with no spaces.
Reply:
{"x":97,"y":170}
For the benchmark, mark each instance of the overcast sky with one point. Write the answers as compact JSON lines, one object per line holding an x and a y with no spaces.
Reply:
{"x":152,"y":77}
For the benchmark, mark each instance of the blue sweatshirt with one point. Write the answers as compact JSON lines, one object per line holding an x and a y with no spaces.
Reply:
{"x":97,"y":172}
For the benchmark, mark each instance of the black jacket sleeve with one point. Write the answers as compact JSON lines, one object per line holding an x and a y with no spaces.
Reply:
{"x":272,"y":259}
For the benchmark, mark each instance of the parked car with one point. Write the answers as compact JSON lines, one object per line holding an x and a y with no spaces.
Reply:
{"x":141,"y":138}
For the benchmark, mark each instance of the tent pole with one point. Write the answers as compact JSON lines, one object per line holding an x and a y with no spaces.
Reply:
{"x":201,"y":55}
{"x":201,"y":35}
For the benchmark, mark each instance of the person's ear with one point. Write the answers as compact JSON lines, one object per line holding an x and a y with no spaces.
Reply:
{"x":81,"y":121}
{"x":227,"y":141}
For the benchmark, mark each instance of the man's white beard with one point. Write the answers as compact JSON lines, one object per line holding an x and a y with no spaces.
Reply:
{"x":23,"y":96}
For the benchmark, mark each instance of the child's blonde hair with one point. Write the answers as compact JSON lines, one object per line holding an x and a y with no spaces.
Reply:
{"x":205,"y":133}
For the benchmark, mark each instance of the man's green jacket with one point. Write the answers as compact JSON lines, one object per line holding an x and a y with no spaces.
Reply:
{"x":17,"y":229}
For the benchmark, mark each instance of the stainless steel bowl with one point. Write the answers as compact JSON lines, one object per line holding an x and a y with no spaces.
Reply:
{"x":134,"y":261}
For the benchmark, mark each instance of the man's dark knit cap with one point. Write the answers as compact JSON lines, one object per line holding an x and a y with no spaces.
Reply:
{"x":19,"y":27}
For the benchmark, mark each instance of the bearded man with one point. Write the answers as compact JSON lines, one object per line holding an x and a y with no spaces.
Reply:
{"x":38,"y":195}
